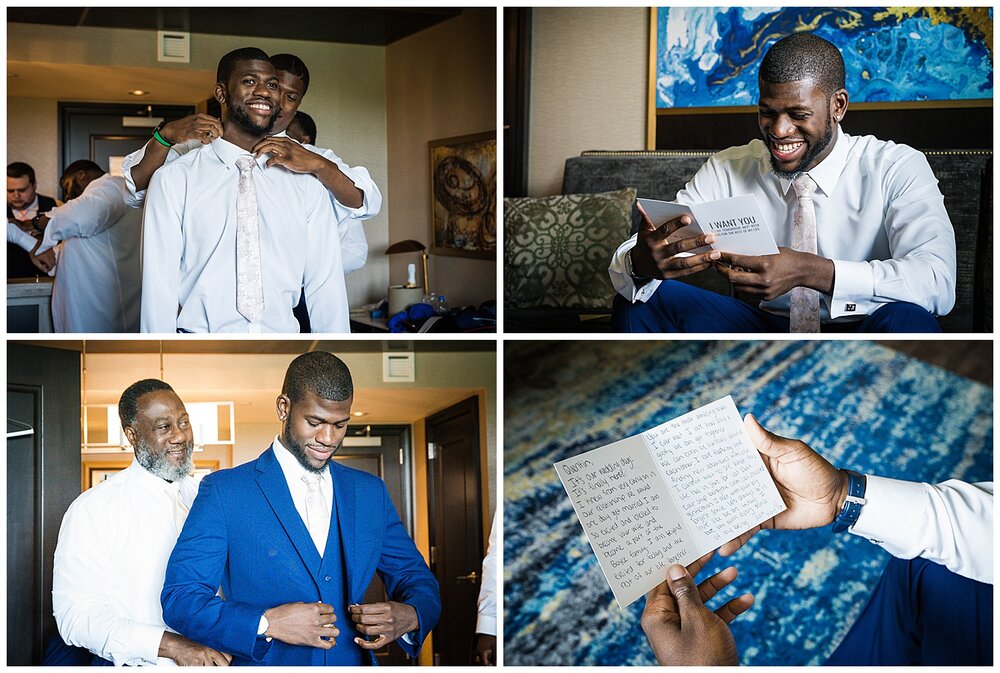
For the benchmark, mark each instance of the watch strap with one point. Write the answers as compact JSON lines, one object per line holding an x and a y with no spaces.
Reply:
{"x":856,"y":486}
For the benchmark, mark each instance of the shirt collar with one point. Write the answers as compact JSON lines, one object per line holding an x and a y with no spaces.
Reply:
{"x":228,"y":153}
{"x":150,"y":481}
{"x":827,"y":172}
{"x":291,"y":466}
{"x":27,"y":209}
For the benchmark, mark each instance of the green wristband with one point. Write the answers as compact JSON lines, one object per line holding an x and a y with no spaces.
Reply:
{"x":159,"y":139}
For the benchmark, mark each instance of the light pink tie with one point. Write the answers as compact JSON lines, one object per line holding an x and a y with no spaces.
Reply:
{"x":804,"y":311}
{"x":249,"y":287}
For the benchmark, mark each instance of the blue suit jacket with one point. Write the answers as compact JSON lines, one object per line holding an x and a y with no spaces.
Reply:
{"x":244,"y":534}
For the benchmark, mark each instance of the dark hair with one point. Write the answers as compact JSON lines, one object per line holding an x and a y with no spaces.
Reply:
{"x":293,"y":65}
{"x":228,"y":62}
{"x":307,"y":124}
{"x":82,"y":165}
{"x":804,"y":56}
{"x":128,"y":405}
{"x":19,"y":169}
{"x":320,"y":373}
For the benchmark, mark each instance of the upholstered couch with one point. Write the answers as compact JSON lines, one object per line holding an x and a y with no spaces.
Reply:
{"x":965,"y":178}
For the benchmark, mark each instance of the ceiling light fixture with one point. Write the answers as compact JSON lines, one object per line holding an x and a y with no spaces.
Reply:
{"x":138,"y":92}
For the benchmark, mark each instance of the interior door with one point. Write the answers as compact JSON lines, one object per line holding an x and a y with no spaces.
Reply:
{"x":43,"y":478}
{"x":384,"y":451}
{"x":456,"y":530}
{"x":97,"y":131}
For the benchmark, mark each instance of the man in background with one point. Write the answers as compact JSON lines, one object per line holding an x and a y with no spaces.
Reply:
{"x":116,"y":537}
{"x":98,"y":281}
{"x":24,"y":204}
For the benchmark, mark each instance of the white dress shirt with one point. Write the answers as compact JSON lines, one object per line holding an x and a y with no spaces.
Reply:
{"x":97,"y":287}
{"x":879,"y":214}
{"x":20,"y":237}
{"x":293,"y":471}
{"x":110,"y":561}
{"x":949,"y":523}
{"x":486,"y":621}
{"x":189,"y":247}
{"x":353,"y":244}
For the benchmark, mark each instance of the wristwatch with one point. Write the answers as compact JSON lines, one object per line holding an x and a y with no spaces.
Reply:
{"x":160,"y":139}
{"x":636,"y":278}
{"x":856,"y":486}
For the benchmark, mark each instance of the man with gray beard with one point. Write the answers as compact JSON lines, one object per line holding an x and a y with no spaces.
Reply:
{"x":116,"y":538}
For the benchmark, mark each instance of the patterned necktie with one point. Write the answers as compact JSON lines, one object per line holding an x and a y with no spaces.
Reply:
{"x":249,"y":288}
{"x":317,"y":511}
{"x":804,"y":313}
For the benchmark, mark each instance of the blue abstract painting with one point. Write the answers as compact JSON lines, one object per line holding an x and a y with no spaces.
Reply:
{"x":709,"y":56}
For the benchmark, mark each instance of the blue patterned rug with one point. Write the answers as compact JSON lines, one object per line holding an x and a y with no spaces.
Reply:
{"x":860,"y":404}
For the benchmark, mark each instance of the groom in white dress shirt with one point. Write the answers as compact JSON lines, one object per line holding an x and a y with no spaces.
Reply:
{"x":190,"y":222}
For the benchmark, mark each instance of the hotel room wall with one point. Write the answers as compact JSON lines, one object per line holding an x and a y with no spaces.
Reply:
{"x":441,"y":84}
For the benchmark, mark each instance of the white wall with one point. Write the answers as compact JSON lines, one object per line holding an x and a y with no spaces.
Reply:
{"x":589,"y":73}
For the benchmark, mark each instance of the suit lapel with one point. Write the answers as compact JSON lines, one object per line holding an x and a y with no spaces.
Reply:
{"x":349,"y":524}
{"x":272,"y":484}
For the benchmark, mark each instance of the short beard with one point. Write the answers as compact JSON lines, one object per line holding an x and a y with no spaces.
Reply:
{"x":814,"y":151}
{"x":160,"y":466}
{"x":238,"y":113}
{"x":299,"y":452}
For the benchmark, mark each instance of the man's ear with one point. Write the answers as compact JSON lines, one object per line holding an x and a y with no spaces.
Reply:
{"x":838,"y":104}
{"x":129,"y":434}
{"x":220,"y":93}
{"x":282,"y":405}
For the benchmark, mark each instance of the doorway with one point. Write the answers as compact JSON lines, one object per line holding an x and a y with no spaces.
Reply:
{"x":456,"y":528}
{"x":106,"y":133}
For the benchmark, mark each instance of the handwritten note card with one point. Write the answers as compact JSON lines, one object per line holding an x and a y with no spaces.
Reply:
{"x":669,"y":495}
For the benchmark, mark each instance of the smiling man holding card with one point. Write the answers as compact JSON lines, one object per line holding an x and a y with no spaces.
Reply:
{"x":864,"y":243}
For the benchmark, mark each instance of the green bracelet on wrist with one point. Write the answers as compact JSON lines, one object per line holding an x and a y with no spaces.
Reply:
{"x":160,"y":139}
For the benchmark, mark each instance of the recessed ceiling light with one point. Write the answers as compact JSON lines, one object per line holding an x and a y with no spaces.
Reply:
{"x":138,"y":92}
{"x":359,"y":413}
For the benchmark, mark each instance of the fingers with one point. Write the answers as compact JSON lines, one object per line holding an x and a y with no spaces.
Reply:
{"x":762,"y":440}
{"x":731,"y":547}
{"x":735,"y":608}
{"x":646,"y":224}
{"x":695,"y":567}
{"x":670,"y":226}
{"x":743,"y":261}
{"x":683,"y":588}
{"x":746,"y":279}
{"x":676,"y":267}
{"x":690,"y":243}
{"x":381,"y":641}
{"x":716,"y":583}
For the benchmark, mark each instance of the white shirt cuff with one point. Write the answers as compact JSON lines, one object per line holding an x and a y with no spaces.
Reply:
{"x":486,"y":624}
{"x":853,"y":288}
{"x":144,"y":646}
{"x":620,"y":271}
{"x":892,"y":516}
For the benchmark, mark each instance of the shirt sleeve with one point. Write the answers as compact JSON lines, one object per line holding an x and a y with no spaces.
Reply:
{"x":486,"y":622}
{"x":353,"y":244}
{"x":100,"y":206}
{"x":20,"y":237}
{"x":922,"y":265}
{"x":359,"y":175}
{"x":323,"y":282}
{"x":710,"y":183}
{"x":134,"y":198}
{"x":949,"y":523}
{"x":162,"y":248}
{"x":85,"y":615}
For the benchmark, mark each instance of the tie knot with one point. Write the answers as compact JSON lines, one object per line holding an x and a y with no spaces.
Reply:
{"x":245,"y":163}
{"x":803,"y":185}
{"x":312,"y":481}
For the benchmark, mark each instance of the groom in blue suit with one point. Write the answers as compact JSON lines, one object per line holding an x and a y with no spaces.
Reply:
{"x":257,"y":532}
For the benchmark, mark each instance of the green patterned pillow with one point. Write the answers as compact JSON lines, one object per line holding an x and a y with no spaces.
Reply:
{"x":557,"y":249}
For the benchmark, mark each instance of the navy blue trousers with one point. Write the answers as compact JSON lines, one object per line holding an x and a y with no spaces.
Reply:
{"x":679,"y":307}
{"x":921,"y":613}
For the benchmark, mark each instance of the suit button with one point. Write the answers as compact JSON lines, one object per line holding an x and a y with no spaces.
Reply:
{"x":327,"y":578}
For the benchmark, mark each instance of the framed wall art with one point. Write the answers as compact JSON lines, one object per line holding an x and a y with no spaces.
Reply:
{"x":705,"y":59}
{"x":464,"y":196}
